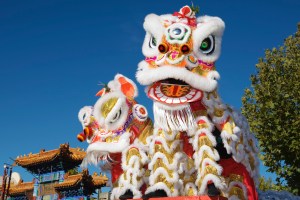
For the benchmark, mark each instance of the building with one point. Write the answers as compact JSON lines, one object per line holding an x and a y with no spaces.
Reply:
{"x":53,"y":176}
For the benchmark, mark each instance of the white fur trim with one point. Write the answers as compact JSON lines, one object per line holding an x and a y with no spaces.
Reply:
{"x":113,"y":147}
{"x":115,"y":85}
{"x":147,"y":75}
{"x":162,"y":171}
{"x":198,"y":156}
{"x":206,"y":26}
{"x":162,"y":140}
{"x":210,"y":136}
{"x":172,"y":166}
{"x":153,"y":27}
{"x":85,"y":120}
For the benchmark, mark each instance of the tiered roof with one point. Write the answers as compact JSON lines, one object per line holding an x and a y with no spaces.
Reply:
{"x":21,"y":189}
{"x":88,"y":182}
{"x":63,"y":158}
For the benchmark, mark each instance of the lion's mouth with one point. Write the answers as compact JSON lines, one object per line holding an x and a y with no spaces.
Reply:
{"x":172,"y":81}
{"x":173,"y":91}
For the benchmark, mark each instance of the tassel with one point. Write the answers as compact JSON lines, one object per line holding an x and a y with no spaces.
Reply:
{"x":177,"y":118}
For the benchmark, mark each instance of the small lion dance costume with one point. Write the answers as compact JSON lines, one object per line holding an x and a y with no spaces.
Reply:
{"x":118,"y":131}
{"x":200,"y":145}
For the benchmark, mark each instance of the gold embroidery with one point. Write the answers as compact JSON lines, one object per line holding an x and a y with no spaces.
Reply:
{"x":108,"y":106}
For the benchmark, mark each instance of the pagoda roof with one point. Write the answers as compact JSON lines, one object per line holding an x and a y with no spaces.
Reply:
{"x":21,"y":188}
{"x":63,"y":158}
{"x":89,"y":182}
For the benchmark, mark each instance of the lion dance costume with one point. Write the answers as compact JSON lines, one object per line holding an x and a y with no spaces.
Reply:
{"x":124,"y":130}
{"x":198,"y":145}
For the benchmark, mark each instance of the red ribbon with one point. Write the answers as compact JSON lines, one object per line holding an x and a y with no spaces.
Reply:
{"x":191,"y":21}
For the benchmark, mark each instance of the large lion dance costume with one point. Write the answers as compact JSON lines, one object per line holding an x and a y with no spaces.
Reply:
{"x":198,"y":145}
{"x":192,"y":125}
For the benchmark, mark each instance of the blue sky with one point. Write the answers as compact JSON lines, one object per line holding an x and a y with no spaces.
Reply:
{"x":53,"y":55}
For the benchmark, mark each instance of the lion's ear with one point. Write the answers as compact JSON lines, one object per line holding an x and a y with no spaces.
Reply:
{"x":126,"y":86}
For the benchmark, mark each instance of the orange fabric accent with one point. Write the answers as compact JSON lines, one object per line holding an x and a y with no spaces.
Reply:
{"x":81,"y":137}
{"x":126,"y":87}
{"x":100,"y":92}
{"x":232,"y":167}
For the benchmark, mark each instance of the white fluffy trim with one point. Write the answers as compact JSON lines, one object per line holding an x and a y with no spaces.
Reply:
{"x":115,"y":85}
{"x":210,"y":136}
{"x":162,"y":171}
{"x":241,"y":185}
{"x":163,"y":142}
{"x":113,"y":147}
{"x":154,"y":28}
{"x":221,"y":185}
{"x":207,"y":26}
{"x":135,"y":161}
{"x":146,"y":76}
{"x":198,"y":156}
{"x":206,"y":162}
{"x":172,"y":166}
{"x":169,"y":135}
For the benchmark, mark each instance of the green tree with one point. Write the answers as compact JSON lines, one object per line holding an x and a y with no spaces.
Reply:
{"x":272,"y":108}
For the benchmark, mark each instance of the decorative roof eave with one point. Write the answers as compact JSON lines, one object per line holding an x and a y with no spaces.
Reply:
{"x":71,"y":181}
{"x":21,"y":188}
{"x":73,"y":154}
{"x":99,"y":180}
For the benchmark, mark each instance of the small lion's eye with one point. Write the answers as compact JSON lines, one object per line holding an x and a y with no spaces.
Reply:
{"x":208,"y":45}
{"x":84,"y":116}
{"x":152,"y":42}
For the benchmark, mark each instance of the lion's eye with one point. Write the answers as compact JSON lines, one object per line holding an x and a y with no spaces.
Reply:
{"x":208,"y":45}
{"x":116,"y":117}
{"x":152,"y":42}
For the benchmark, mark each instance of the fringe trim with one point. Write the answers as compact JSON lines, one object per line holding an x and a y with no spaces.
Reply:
{"x":177,"y":118}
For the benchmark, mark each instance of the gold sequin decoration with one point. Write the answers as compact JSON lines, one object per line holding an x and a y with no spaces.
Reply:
{"x":108,"y":106}
{"x":236,"y":177}
{"x":132,"y":152}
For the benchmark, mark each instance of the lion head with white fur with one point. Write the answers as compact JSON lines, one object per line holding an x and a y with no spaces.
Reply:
{"x":180,"y":52}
